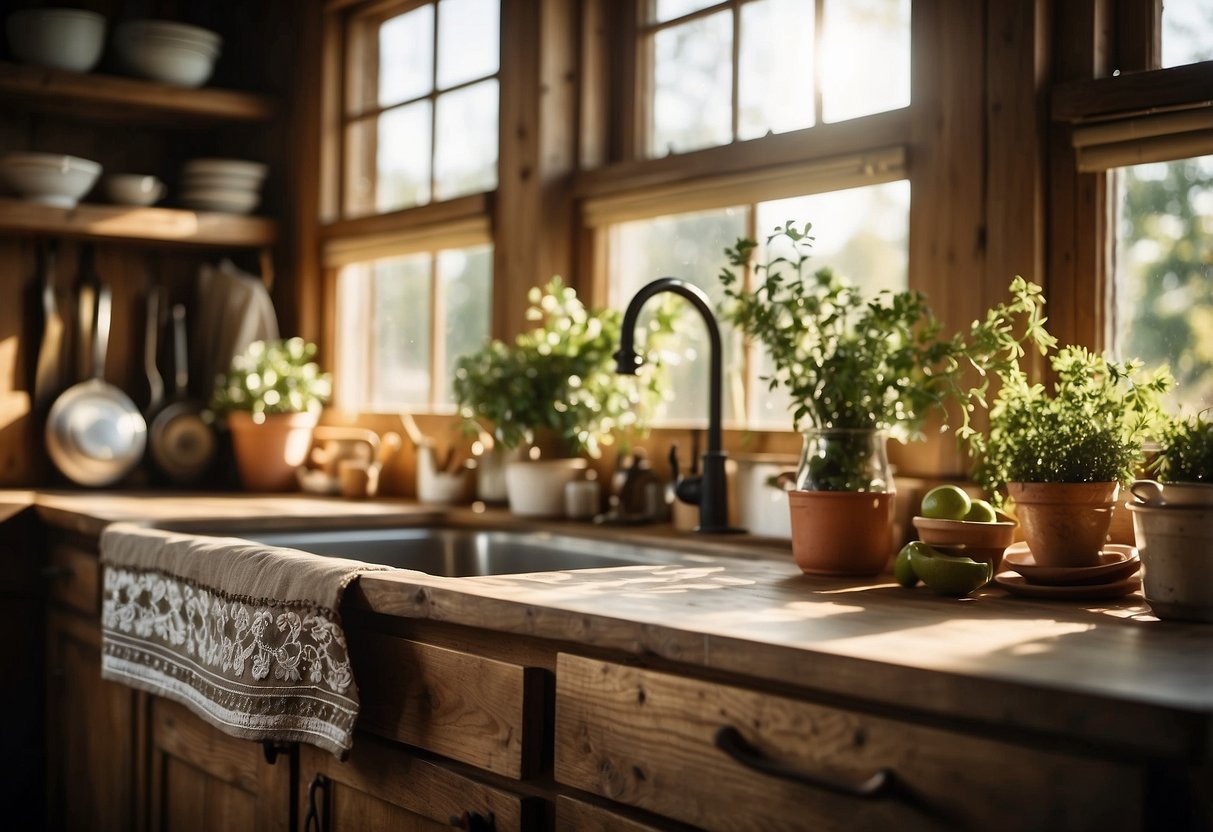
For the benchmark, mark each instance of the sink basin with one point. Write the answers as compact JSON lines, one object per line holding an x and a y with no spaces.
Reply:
{"x":461,"y":553}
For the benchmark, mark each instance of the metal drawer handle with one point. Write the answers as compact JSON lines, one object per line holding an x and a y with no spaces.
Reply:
{"x":316,"y":819}
{"x":57,"y":571}
{"x":731,"y":742}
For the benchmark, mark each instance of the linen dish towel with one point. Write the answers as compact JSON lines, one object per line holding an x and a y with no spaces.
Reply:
{"x":247,"y":636}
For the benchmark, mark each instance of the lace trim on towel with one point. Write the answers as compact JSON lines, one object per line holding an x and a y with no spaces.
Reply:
{"x":228,"y":636}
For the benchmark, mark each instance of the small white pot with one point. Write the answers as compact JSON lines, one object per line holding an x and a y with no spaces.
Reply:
{"x":536,"y":489}
{"x":1176,"y":547}
{"x":490,"y":474}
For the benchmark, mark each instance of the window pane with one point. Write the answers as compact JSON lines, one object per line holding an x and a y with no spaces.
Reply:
{"x":865,"y":57}
{"x":465,"y":160}
{"x":465,"y":278}
{"x":861,"y":233}
{"x":670,"y":9}
{"x":400,"y":323}
{"x":1164,"y":273}
{"x":692,"y":100}
{"x":689,"y":246}
{"x":1187,"y":32}
{"x":468,"y":40}
{"x":775,"y":79}
{"x":402,"y":157}
{"x":406,"y":56}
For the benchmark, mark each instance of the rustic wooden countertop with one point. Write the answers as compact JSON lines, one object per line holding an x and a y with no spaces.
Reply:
{"x":1106,"y":672}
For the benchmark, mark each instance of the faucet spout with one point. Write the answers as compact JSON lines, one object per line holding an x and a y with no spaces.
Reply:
{"x":710,"y":490}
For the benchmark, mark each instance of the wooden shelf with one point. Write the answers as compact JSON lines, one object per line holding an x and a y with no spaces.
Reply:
{"x":147,"y":225}
{"x":109,"y":97}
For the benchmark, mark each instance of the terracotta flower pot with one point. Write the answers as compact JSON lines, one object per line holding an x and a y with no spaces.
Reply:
{"x":1065,"y":523}
{"x":841,"y":532}
{"x":267,"y":454}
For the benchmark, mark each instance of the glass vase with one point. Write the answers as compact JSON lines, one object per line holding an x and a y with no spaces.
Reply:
{"x":845,"y":459}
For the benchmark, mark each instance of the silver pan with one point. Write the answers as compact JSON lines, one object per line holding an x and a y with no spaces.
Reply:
{"x":182,"y":443}
{"x":94,"y":433}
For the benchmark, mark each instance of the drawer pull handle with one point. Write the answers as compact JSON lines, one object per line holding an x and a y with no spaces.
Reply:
{"x":474,"y":822}
{"x":731,"y":742}
{"x":316,"y":819}
{"x":57,"y":571}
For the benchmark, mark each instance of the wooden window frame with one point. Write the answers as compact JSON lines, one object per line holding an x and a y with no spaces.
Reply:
{"x":1112,"y":106}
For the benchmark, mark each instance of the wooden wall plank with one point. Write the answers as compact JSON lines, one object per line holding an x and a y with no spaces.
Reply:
{"x":538,"y":126}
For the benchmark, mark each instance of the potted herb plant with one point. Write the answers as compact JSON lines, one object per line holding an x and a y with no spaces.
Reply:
{"x":1173,"y":522}
{"x":554,"y":392}
{"x":1062,"y":450}
{"x":271,"y":397}
{"x":858,"y":370}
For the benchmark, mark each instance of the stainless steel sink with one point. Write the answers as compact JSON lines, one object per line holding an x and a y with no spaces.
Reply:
{"x":460,"y":553}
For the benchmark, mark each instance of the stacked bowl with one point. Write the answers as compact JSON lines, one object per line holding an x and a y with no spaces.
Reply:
{"x":231,"y":186}
{"x":162,"y":50}
{"x":69,"y":39}
{"x":49,"y":178}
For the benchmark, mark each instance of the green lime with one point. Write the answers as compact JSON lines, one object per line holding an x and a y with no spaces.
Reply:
{"x":947,"y":575}
{"x":903,"y":570}
{"x":981,"y":512}
{"x":946,"y":502}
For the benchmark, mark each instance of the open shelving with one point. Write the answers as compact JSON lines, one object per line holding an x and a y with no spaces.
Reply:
{"x":110,"y":97}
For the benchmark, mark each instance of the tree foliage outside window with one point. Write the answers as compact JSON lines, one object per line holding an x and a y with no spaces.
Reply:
{"x":1164,"y":274}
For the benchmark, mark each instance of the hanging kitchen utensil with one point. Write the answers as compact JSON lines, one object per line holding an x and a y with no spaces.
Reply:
{"x":88,"y":283}
{"x":151,"y":346}
{"x":48,"y":377}
{"x":94,"y":433}
{"x":182,"y":442}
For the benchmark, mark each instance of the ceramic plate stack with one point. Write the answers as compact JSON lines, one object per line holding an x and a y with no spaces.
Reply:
{"x":232,"y":186}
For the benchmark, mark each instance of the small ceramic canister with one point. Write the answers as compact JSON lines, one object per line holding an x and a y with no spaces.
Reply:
{"x":582,"y":499}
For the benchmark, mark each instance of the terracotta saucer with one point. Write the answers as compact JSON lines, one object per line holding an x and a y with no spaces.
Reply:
{"x":1116,"y":563}
{"x":1018,"y":585}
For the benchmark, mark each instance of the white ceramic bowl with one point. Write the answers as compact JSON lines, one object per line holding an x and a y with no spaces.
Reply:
{"x":220,"y":180}
{"x":171,"y":60}
{"x":169,"y":30}
{"x":49,"y":178}
{"x":133,"y":188}
{"x":69,"y":39}
{"x":217,"y":199}
{"x":239,"y":168}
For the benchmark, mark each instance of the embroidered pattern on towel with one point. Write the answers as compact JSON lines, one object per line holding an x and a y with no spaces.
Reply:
{"x":257,"y":667}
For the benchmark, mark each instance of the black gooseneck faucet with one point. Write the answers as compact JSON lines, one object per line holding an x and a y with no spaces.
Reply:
{"x":709,"y":490}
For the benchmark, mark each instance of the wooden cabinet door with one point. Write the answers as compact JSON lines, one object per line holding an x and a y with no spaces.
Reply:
{"x":383,"y":787}
{"x":91,"y":732}
{"x":202,"y":779}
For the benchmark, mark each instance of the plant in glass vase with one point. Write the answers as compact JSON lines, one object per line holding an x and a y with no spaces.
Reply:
{"x":554,"y":391}
{"x":857,"y":369}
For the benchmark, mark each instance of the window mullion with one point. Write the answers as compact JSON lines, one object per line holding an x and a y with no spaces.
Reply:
{"x":434,"y":108}
{"x":437,"y":341}
{"x":736,"y":103}
{"x":818,"y":64}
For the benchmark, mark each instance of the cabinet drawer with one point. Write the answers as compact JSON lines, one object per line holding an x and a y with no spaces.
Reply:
{"x":381,"y":787}
{"x":649,"y":739}
{"x":480,"y":711}
{"x":572,"y":813}
{"x":74,"y":577}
